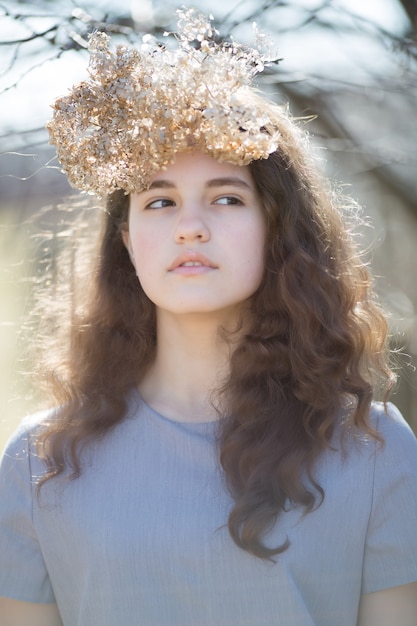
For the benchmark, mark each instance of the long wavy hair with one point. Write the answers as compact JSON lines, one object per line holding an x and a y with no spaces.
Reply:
{"x":315,"y":346}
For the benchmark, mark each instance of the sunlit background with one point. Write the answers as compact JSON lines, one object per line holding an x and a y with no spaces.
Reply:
{"x":349,"y":63}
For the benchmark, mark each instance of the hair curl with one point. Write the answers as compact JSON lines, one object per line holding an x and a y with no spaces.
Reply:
{"x":316,"y":343}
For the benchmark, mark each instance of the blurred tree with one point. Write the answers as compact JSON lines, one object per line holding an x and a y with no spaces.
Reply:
{"x":351,"y":65}
{"x":347,"y":61}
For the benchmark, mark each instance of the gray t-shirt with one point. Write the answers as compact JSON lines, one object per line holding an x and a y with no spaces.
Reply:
{"x":140,"y":538}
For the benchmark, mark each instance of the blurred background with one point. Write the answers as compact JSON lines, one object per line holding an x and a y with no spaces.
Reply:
{"x":349,"y":65}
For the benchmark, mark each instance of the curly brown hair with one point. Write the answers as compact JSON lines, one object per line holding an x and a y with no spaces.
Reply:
{"x":315,"y":347}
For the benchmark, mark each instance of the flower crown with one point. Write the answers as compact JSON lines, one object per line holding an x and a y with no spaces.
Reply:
{"x":139,"y":108}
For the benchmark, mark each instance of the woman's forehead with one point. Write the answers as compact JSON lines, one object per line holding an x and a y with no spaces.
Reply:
{"x":197,"y":163}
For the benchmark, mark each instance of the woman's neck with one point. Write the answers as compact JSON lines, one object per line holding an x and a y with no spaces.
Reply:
{"x":192,"y":361}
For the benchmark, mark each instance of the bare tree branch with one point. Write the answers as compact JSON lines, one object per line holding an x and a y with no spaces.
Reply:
{"x":410,"y":8}
{"x":69,"y":31}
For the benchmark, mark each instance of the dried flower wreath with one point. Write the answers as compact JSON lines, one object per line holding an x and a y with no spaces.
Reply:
{"x":140,"y":107}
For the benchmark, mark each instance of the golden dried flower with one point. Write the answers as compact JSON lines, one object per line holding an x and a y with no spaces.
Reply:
{"x":139,"y":108}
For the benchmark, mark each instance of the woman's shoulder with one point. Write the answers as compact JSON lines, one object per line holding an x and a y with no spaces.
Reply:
{"x":396,"y":454}
{"x":387,"y":422}
{"x":25,"y":433}
{"x":390,"y":424}
{"x":390,"y":449}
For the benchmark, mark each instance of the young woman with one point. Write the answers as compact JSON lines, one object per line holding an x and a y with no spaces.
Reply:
{"x":215,"y":455}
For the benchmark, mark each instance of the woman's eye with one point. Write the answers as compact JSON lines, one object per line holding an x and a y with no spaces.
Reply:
{"x":160,"y":203}
{"x":228,"y":200}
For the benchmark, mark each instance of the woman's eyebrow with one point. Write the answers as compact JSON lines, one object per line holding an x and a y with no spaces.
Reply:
{"x":225,"y":181}
{"x":233,"y":181}
{"x":161,"y":184}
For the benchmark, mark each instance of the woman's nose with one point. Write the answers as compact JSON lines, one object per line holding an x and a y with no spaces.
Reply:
{"x":191,"y":225}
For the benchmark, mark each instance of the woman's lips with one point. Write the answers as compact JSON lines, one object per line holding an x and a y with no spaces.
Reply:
{"x":192,"y":263}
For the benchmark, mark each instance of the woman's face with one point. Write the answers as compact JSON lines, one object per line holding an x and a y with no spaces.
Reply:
{"x":196,"y":237}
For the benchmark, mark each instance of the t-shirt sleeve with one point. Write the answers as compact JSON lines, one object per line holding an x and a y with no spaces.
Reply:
{"x":23,"y":575}
{"x":390,"y":556}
